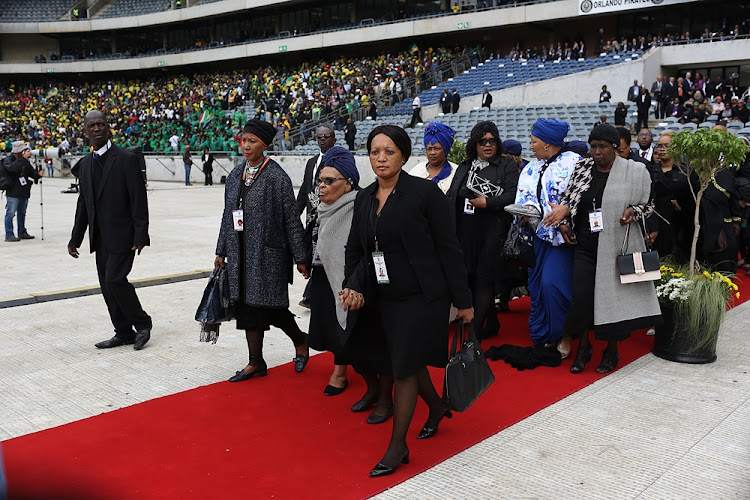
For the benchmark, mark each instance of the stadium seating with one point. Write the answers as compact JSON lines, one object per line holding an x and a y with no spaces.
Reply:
{"x":496,"y":74}
{"x":121,"y":8}
{"x":22,"y":11}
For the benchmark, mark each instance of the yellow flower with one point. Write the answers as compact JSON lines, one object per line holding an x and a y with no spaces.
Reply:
{"x":737,"y":295}
{"x":677,"y":275}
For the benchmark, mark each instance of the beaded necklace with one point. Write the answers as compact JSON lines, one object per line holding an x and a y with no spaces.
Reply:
{"x":252,"y":172}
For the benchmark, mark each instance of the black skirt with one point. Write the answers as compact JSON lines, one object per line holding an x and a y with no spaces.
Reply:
{"x":325,"y":333}
{"x":261,"y":318}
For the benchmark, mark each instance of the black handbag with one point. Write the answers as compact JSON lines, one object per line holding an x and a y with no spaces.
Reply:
{"x":637,"y":267}
{"x":467,"y":374}
{"x":215,"y":306}
{"x":519,"y":245}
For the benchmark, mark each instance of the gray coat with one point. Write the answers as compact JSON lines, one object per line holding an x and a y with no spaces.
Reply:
{"x":272,"y":237}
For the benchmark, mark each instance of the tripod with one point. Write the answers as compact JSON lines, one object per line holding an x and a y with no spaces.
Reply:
{"x":41,"y":196}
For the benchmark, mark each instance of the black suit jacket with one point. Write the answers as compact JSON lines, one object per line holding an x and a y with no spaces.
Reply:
{"x":487,"y":100}
{"x":117,"y":213}
{"x":304,"y":189}
{"x":428,"y":235}
{"x":644,"y":103}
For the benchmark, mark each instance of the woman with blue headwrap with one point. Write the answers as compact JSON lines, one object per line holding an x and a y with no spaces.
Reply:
{"x":542,"y":184}
{"x":484,"y":184}
{"x":438,"y":141}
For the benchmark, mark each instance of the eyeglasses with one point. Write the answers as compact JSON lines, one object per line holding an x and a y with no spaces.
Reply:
{"x":643,"y":135}
{"x":487,"y":142}
{"x":661,"y":146}
{"x":328,"y":181}
{"x":325,"y":136}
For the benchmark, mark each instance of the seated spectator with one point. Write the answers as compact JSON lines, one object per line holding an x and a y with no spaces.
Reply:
{"x":718,"y":106}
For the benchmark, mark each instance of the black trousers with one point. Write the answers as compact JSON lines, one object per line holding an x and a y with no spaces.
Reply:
{"x":641,"y":120}
{"x":125,"y":309}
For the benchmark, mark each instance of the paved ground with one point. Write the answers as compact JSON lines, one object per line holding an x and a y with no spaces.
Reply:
{"x":653,"y":429}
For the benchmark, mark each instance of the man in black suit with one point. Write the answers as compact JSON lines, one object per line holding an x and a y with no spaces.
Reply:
{"x":455,"y":101}
{"x":307,"y":197}
{"x":445,"y":101}
{"x":657,"y":91}
{"x":326,"y":139}
{"x":634,"y":91}
{"x":644,"y":106}
{"x":670,"y":92}
{"x":112,"y":204}
{"x":487,"y":99}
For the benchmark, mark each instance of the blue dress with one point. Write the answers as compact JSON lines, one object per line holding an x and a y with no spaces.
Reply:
{"x":551,"y":279}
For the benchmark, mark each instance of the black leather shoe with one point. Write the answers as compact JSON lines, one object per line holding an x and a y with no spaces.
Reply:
{"x":384,"y":470}
{"x":241,"y":376}
{"x":376,"y":419}
{"x":428,"y":432}
{"x":300,"y":362}
{"x":364,"y":404}
{"x":335,"y":391}
{"x":27,"y":236}
{"x":141,"y":337}
{"x":113,"y":342}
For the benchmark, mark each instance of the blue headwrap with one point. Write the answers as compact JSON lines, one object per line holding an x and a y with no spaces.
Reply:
{"x":578,"y":147}
{"x":551,"y":131}
{"x":342,"y":160}
{"x":512,"y":147}
{"x":442,"y":134}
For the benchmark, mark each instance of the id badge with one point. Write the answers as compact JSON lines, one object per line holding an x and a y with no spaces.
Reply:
{"x":381,"y":272}
{"x":596,"y":221}
{"x":468,"y":207}
{"x":316,"y":259}
{"x":22,"y":180}
{"x":237,"y":218}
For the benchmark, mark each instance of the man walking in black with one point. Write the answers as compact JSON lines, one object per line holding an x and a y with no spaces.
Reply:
{"x":455,"y":101}
{"x":112,"y":204}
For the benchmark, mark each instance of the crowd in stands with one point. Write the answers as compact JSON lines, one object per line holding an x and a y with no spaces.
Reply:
{"x":206,"y":110}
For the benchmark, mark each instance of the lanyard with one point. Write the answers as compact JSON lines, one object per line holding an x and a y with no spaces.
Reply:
{"x":251,"y":181}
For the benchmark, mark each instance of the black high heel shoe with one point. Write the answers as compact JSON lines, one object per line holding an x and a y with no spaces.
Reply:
{"x":384,"y":470}
{"x":583,"y":356}
{"x":428,"y":432}
{"x":609,"y":362}
{"x":241,"y":376}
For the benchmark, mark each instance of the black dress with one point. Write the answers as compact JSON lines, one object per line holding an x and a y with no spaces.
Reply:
{"x":580,"y":318}
{"x":674,"y":236}
{"x":403,"y":326}
{"x":325,"y":332}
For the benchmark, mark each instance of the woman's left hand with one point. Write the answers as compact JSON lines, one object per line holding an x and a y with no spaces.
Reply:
{"x":479,"y":202}
{"x":627,"y":216}
{"x":556,"y":215}
{"x":466,"y":314}
{"x":302,"y":268}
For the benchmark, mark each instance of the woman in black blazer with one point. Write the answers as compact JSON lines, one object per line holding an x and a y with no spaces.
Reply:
{"x":407,"y":223}
{"x":481,"y":220}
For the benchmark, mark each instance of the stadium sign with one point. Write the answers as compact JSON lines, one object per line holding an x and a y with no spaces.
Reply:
{"x":607,"y":6}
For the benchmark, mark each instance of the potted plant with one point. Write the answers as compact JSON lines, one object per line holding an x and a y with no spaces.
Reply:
{"x":693,"y":301}
{"x":693,"y":310}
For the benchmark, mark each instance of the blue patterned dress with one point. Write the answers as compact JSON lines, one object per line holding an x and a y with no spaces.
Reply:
{"x":550,"y":281}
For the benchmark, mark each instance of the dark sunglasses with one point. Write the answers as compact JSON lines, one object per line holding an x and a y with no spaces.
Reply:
{"x":329,"y":180}
{"x":488,"y":142}
{"x":325,"y":136}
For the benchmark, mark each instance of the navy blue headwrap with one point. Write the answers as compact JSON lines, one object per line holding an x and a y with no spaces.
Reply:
{"x":551,"y":131}
{"x":578,"y":147}
{"x":512,"y":147}
{"x":342,"y":160}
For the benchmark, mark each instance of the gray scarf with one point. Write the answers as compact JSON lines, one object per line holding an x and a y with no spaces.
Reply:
{"x":334,"y":223}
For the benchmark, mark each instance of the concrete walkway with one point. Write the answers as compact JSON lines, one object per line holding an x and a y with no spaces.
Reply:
{"x":653,"y":429}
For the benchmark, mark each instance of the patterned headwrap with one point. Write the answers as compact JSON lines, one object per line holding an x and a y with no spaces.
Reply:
{"x":442,"y":134}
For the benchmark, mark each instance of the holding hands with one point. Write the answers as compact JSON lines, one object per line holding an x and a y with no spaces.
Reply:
{"x":351,"y":299}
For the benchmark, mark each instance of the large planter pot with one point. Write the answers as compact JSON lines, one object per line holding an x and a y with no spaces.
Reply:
{"x":674,"y":344}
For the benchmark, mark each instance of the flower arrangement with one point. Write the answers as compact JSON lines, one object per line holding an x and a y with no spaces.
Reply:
{"x":699,"y":303}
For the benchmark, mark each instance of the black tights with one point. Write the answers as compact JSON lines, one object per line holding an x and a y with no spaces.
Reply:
{"x":255,"y":340}
{"x":405,"y":400}
{"x":484,"y":308}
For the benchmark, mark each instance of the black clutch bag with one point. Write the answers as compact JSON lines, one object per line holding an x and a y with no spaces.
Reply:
{"x":467,"y":374}
{"x":637,"y":267}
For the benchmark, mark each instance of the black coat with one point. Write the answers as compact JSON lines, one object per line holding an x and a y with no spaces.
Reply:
{"x":428,"y":236}
{"x":117,"y":213}
{"x":482,"y":235}
{"x":644,"y":104}
{"x":17,"y":168}
{"x":487,"y":100}
{"x":302,"y":199}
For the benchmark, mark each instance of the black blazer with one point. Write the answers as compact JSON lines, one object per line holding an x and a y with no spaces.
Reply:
{"x":304,"y":189}
{"x":428,"y":235}
{"x":120,"y":206}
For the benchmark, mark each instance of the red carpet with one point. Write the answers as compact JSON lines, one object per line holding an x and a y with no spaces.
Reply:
{"x":275,"y":437}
